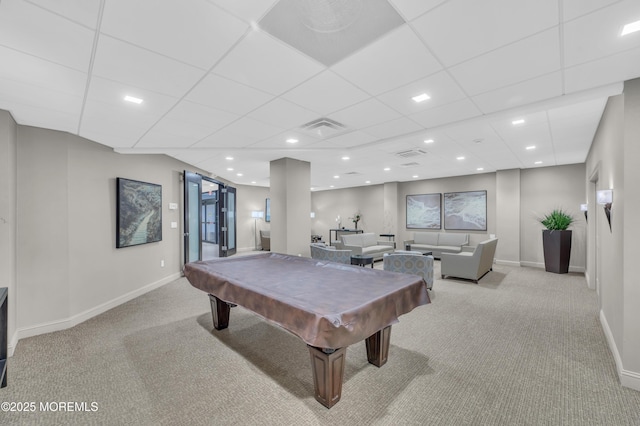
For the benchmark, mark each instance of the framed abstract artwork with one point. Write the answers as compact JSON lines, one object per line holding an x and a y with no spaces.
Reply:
{"x":267,"y":210}
{"x":138,"y":213}
{"x":424,"y":211}
{"x":465,"y":210}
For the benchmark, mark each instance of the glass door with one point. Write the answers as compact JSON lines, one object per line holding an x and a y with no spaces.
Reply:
{"x":192,"y":217}
{"x":209,"y":218}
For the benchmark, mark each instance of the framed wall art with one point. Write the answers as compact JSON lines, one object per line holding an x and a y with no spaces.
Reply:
{"x":424,"y":211}
{"x":465,"y":210}
{"x":138,"y":213}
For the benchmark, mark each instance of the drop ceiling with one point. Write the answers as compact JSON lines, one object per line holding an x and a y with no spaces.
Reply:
{"x":227,"y":85}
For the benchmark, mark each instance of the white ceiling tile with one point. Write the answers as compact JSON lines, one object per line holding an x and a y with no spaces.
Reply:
{"x":348,"y":140}
{"x":440,"y":87}
{"x":515,"y":63}
{"x":596,"y":35}
{"x":243,"y":132}
{"x":574,"y":8}
{"x":32,"y":30}
{"x":227,"y":95}
{"x":455,"y":111}
{"x":30,"y":115}
{"x":198,"y":35}
{"x":84,"y":12}
{"x":262,"y":62}
{"x":14,"y":94}
{"x":284,"y":114}
{"x":40,"y":73}
{"x":611,"y":69}
{"x":249,"y":10}
{"x":393,"y":128}
{"x":365,"y":114}
{"x":279,"y":141}
{"x":138,"y":67}
{"x":314,"y":95}
{"x":112,"y":93}
{"x":530,"y":91}
{"x":463,"y":29}
{"x":411,"y":9}
{"x":186,"y":124}
{"x":393,"y":67}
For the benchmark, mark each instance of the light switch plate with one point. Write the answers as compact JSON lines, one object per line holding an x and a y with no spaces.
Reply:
{"x":173,"y":206}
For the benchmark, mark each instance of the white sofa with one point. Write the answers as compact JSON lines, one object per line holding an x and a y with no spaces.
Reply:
{"x":366,"y":243}
{"x":438,"y":242}
{"x":470,"y":265}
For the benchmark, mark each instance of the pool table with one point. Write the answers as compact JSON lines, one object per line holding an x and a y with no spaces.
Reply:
{"x":326,"y":304}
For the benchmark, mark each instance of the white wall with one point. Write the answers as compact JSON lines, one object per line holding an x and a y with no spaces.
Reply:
{"x":542,"y":190}
{"x":612,"y":163}
{"x":68,"y":267}
{"x":8,"y":217}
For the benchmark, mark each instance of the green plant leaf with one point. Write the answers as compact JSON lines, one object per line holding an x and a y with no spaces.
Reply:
{"x":557,"y":220}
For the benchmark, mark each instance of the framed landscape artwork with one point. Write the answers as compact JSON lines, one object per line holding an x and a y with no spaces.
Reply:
{"x":139,"y":213}
{"x":465,"y":210}
{"x":423,"y":211}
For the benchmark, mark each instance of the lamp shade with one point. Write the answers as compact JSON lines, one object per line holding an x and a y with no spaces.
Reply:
{"x":604,"y":196}
{"x":257,"y":214}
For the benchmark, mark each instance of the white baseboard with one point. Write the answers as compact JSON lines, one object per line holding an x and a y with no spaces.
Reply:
{"x":629,"y":379}
{"x":580,"y":269}
{"x":507,"y":262}
{"x":74,"y":320}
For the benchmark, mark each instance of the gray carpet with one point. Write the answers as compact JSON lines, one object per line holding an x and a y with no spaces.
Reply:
{"x":524,"y":347}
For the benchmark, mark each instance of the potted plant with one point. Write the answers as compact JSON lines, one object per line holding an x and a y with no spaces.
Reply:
{"x":556,"y":241}
{"x":356,"y":218}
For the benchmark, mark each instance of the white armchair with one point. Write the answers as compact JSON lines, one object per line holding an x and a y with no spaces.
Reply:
{"x":470,"y":265}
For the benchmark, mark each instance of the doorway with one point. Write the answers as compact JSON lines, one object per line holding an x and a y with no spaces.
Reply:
{"x":209,"y":218}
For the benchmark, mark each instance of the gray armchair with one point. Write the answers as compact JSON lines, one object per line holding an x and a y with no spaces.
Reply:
{"x":470,"y":265}
{"x":320,"y":251}
{"x":265,"y":240}
{"x":409,"y":262}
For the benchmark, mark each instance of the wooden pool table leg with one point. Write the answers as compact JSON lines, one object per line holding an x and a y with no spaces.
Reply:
{"x":378,"y":347}
{"x":328,"y":374}
{"x":220,"y":311}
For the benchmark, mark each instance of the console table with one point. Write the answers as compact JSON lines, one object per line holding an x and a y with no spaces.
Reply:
{"x":3,"y":336}
{"x":342,"y":231}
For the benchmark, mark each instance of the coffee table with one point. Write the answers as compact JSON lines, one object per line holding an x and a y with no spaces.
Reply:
{"x":362,"y":260}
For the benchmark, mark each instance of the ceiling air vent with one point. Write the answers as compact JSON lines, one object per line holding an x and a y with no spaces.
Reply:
{"x":411,"y":153}
{"x":324,"y":127}
{"x":412,"y":164}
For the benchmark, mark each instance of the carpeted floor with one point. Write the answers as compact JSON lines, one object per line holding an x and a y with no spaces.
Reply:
{"x":524,"y":347}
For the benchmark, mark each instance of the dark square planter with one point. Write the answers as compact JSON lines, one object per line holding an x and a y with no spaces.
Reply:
{"x":557,"y":250}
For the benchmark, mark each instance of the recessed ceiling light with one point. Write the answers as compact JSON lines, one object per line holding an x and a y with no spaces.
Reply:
{"x":630,"y":28}
{"x":516,"y":122}
{"x":538,"y":162}
{"x":421,"y":98}
{"x":291,"y":140}
{"x":460,"y":158}
{"x":428,"y":141}
{"x":386,"y":169}
{"x":346,"y":157}
{"x":336,"y":177}
{"x":229,"y":169}
{"x":133,"y":99}
{"x":228,"y":158}
{"x":529,"y":148}
{"x":414,"y":176}
{"x":367,"y":181}
{"x":253,"y":181}
{"x":480,"y":169}
{"x":331,"y":186}
{"x":239,"y":174}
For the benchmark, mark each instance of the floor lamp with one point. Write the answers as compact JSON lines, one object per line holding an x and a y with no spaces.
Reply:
{"x":256,"y":214}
